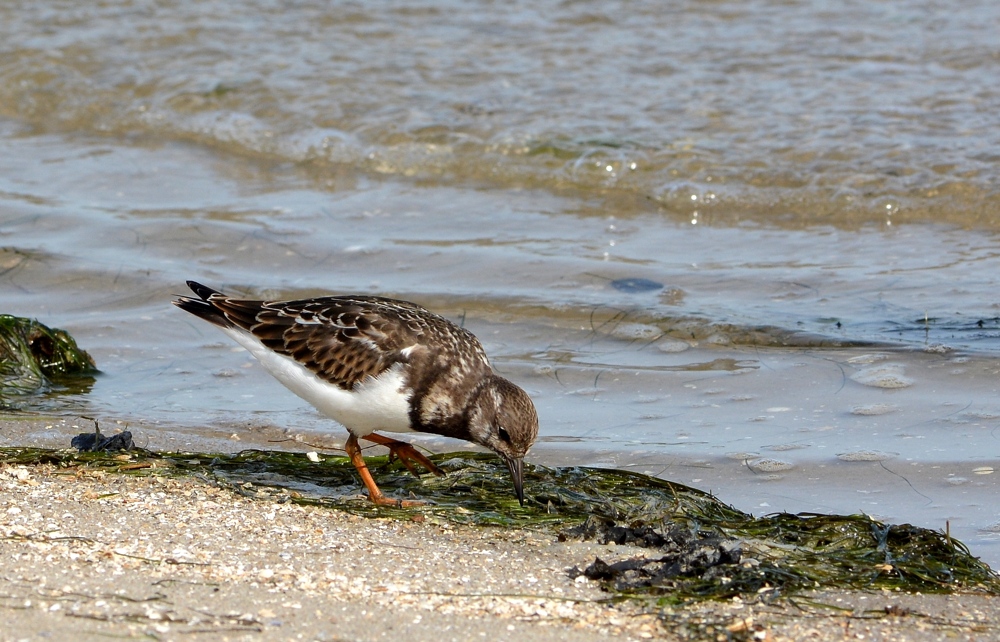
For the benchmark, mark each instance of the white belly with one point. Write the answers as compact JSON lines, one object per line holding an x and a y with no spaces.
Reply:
{"x":376,"y":404}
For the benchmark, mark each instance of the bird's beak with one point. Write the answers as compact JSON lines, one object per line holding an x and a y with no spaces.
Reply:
{"x":516,"y":467}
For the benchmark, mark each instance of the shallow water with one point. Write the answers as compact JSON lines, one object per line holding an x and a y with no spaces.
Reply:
{"x":749,"y":246}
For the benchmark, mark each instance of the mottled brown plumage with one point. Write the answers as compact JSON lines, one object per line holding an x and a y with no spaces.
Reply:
{"x":357,"y":343}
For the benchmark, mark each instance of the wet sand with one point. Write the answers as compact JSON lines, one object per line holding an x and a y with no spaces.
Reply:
{"x":89,"y":555}
{"x":938,"y":491}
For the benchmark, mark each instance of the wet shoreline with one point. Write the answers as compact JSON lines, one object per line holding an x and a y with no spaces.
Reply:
{"x":101,"y":554}
{"x":958,"y":494}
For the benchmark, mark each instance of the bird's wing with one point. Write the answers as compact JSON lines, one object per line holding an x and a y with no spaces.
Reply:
{"x":344,"y":340}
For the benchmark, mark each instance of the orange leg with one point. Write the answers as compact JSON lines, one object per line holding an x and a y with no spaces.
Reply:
{"x":405,"y":453}
{"x":354,"y":452}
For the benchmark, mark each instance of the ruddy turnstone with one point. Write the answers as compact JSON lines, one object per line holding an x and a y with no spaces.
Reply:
{"x":374,"y":363}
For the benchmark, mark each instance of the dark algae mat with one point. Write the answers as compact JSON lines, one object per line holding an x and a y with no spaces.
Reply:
{"x":36,"y":359}
{"x":696,"y":547}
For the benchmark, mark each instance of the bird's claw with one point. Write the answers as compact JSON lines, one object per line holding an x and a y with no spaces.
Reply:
{"x":405,"y":453}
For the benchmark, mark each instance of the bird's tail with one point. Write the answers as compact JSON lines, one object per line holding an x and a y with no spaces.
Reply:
{"x":202,"y":306}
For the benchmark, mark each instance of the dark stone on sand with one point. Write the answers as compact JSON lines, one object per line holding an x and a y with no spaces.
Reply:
{"x":95,"y":441}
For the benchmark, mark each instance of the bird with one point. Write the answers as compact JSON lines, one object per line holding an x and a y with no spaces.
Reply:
{"x":378,"y":364}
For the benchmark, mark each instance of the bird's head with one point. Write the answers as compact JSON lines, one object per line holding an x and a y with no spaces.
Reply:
{"x":504,"y":420}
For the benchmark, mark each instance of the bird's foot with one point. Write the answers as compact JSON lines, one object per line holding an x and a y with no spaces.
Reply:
{"x":374,"y":494}
{"x":382,"y":500}
{"x":405,"y":453}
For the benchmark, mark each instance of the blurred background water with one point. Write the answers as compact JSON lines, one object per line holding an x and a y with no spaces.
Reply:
{"x":749,"y":246}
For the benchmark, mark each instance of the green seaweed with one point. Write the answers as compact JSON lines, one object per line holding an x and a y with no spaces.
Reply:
{"x":782,"y":554}
{"x":34,"y":358}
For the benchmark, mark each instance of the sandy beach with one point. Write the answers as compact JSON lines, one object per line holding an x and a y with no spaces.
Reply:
{"x":752,"y":248}
{"x":88,"y":554}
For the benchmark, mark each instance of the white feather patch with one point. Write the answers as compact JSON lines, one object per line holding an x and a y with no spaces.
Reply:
{"x":379,"y":403}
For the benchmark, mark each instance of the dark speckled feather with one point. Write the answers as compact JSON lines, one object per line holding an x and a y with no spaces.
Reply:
{"x":356,"y":344}
{"x":345,"y":339}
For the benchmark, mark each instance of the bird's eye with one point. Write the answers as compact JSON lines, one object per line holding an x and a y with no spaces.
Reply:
{"x":503,"y":434}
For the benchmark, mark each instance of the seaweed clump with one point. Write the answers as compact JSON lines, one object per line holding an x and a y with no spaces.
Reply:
{"x":682,"y":552}
{"x":34,"y":358}
{"x":699,"y":547}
